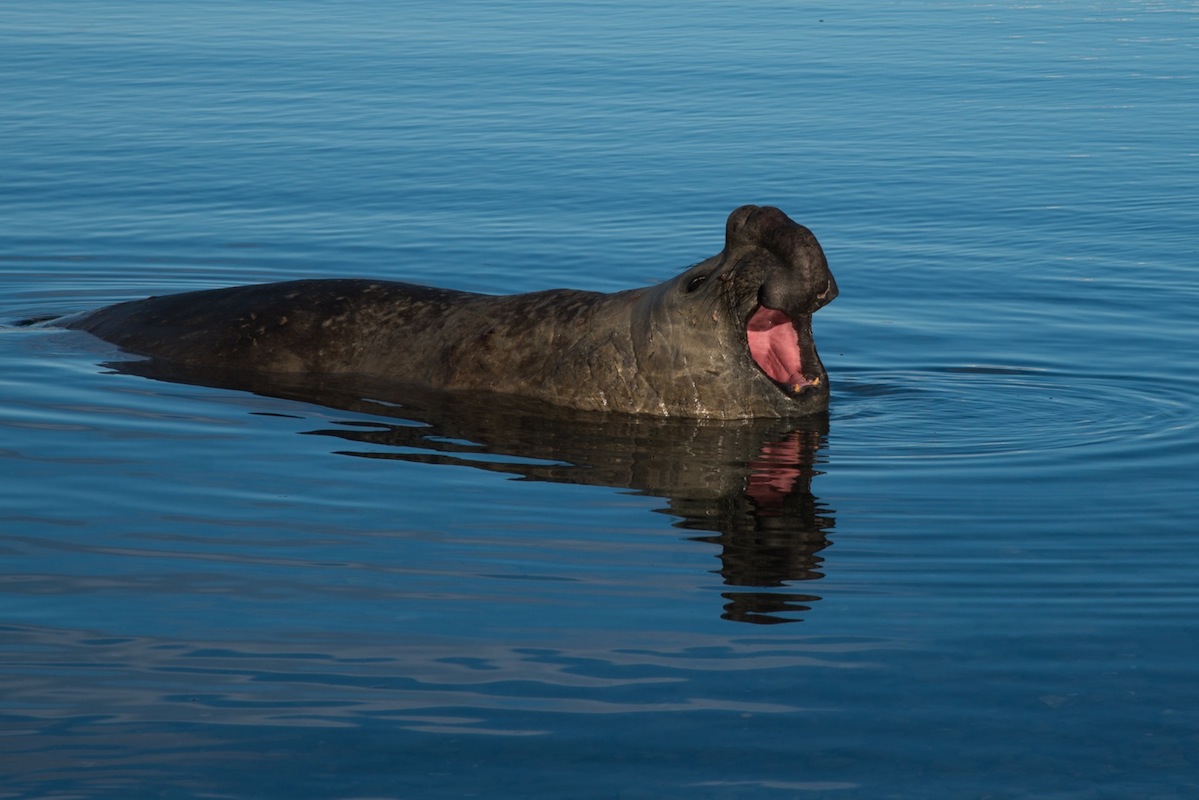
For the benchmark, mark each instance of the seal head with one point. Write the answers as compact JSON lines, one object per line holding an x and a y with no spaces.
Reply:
{"x":749,"y":310}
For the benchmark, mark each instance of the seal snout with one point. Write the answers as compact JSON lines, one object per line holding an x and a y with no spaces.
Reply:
{"x":800,"y":282}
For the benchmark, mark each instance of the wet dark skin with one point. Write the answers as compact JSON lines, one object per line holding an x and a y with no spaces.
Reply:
{"x":728,"y":338}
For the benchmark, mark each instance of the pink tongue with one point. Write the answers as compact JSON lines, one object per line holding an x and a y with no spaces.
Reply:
{"x":773,"y":343}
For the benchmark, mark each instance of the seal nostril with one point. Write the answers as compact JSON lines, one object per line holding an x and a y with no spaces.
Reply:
{"x":828,"y":292}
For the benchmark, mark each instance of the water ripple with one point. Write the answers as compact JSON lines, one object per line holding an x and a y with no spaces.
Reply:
{"x":986,"y":411}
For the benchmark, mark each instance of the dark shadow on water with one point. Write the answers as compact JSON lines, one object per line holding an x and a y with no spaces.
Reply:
{"x":744,"y":486}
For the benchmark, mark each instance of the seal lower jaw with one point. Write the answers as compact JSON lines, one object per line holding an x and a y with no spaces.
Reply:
{"x":782,"y":349}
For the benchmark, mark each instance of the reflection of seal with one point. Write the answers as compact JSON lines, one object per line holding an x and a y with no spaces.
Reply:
{"x":728,"y":338}
{"x":742,"y":486}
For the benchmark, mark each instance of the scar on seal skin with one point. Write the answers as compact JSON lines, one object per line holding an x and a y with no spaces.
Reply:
{"x":729,"y":338}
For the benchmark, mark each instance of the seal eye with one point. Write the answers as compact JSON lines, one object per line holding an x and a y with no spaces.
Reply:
{"x":696,"y":282}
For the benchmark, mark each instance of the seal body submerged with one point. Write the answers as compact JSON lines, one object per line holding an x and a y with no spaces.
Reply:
{"x":728,"y":338}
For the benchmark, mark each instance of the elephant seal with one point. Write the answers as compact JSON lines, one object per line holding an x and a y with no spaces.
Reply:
{"x":729,"y":338}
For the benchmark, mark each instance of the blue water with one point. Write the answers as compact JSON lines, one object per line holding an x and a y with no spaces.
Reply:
{"x":977,"y":580}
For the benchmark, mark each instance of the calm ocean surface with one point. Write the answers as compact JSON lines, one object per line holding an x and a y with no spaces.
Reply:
{"x":979,"y":578}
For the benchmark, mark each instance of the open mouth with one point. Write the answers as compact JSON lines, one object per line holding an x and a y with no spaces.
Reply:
{"x":775,"y":345}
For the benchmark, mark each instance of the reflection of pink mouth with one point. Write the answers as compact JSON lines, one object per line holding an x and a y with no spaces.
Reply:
{"x":774,"y":345}
{"x":773,"y":475}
